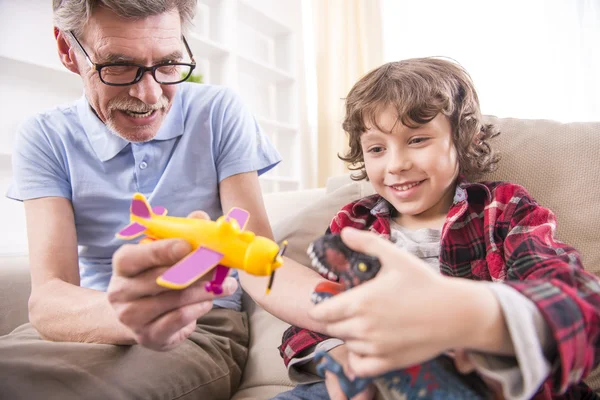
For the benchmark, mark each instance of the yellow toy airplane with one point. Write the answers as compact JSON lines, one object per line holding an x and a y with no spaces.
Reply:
{"x":220,"y":244}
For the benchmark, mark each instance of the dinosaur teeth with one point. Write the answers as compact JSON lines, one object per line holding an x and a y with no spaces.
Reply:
{"x":331,"y":276}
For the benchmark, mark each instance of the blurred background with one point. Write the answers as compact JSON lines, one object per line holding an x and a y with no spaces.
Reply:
{"x":293,"y":62}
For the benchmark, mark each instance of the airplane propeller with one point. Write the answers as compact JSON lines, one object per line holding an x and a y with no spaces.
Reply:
{"x":282,"y":246}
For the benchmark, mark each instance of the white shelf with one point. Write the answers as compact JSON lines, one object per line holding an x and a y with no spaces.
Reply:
{"x":45,"y":65}
{"x":5,"y":161}
{"x":43,"y":73}
{"x":203,"y":47}
{"x":252,"y":17}
{"x":264,"y":72}
{"x":269,"y":123}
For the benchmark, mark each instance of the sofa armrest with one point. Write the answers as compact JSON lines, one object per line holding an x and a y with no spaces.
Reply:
{"x":15,"y":287}
{"x":283,"y":204}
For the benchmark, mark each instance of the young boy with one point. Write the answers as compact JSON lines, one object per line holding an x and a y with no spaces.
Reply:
{"x":416,"y":132}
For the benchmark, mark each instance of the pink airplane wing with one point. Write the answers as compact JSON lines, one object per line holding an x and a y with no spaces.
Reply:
{"x":131,"y":231}
{"x":190,"y":269}
{"x":159,"y":210}
{"x":241,"y":216}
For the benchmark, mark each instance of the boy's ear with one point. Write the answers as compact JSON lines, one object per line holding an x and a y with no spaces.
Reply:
{"x":65,"y":52}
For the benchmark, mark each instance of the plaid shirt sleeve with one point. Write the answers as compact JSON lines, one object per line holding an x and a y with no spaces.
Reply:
{"x":551,"y":275}
{"x":298,"y":341}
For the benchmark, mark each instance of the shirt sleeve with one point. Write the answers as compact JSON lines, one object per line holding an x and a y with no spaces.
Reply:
{"x":241,"y":145}
{"x":522,"y":375}
{"x":303,"y":369}
{"x":37,"y":167}
{"x":550,"y":274}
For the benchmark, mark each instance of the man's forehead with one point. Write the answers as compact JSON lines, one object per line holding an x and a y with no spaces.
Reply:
{"x":106,"y":25}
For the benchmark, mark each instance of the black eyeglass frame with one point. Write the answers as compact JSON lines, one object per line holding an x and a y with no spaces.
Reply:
{"x":142,"y":69}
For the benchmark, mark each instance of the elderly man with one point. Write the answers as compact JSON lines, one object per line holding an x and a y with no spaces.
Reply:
{"x":138,"y":128}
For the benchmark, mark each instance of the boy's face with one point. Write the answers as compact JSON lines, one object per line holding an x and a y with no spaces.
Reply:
{"x":413,"y":169}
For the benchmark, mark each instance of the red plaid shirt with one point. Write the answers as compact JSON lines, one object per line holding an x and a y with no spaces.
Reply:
{"x":495,"y":231}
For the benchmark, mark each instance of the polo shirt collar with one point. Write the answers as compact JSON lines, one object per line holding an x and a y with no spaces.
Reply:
{"x":107,"y":144}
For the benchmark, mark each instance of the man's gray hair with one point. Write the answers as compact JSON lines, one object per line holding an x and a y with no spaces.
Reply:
{"x":73,"y":15}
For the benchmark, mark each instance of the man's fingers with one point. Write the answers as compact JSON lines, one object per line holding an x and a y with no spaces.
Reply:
{"x":140,"y":311}
{"x":121,"y":289}
{"x":198,"y":214}
{"x":131,"y":260}
{"x":160,"y":333}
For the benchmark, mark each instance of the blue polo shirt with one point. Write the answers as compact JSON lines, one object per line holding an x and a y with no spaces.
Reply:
{"x":207,"y":136}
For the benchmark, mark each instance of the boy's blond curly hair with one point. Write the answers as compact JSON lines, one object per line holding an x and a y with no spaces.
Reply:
{"x":419,"y":89}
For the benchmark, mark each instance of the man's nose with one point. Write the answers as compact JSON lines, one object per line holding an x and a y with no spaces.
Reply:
{"x":147,"y":89}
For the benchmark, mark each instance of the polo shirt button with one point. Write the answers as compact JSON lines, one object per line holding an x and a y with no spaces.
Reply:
{"x":143,"y":165}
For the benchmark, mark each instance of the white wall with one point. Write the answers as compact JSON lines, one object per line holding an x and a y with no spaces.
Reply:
{"x":528,"y":59}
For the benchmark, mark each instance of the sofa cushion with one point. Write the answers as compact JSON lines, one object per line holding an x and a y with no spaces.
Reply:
{"x":558,"y":164}
{"x":14,"y":292}
{"x":264,"y":367}
{"x":311,"y":221}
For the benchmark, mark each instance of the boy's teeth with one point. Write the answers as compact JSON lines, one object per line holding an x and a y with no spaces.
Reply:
{"x":406,"y":187}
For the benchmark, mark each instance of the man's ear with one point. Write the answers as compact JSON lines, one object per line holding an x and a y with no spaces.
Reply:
{"x":65,"y":52}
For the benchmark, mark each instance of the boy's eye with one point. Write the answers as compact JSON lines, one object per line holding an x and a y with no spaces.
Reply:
{"x":418,"y":140}
{"x":375,"y":149}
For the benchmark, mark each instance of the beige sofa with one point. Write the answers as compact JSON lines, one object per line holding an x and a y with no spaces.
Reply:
{"x":558,"y":163}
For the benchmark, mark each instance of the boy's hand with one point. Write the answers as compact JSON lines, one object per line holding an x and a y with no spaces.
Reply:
{"x":159,"y":318}
{"x":407,"y":314}
{"x":340,"y":354}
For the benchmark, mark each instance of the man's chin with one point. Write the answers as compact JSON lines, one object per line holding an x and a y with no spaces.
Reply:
{"x":139,"y":134}
{"x":136,"y":131}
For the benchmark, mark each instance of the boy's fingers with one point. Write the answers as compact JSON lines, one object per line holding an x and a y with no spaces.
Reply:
{"x":131,"y":260}
{"x":340,"y":307}
{"x":345,"y":328}
{"x":368,"y":366}
{"x":366,"y":242}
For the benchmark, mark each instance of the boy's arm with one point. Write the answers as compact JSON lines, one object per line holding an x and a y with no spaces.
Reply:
{"x":550,"y":274}
{"x":59,"y":308}
{"x":289,"y":299}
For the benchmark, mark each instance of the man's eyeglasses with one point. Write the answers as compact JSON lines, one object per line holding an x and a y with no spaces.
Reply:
{"x":124,"y":73}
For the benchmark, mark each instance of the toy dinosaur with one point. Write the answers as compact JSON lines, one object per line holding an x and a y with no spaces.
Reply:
{"x":434,"y":379}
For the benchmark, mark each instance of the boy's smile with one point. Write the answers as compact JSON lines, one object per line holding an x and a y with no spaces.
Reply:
{"x":414,"y":169}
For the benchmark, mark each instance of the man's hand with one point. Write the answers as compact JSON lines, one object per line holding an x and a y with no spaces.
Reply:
{"x":159,"y":318}
{"x":340,"y":354}
{"x":408,"y":313}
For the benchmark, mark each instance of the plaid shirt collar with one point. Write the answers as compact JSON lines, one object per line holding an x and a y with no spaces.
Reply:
{"x":381,"y":208}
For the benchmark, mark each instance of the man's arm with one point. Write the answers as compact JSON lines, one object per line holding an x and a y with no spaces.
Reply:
{"x":289,"y":299}
{"x":59,"y":308}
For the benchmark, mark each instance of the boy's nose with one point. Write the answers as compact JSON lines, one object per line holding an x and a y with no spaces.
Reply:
{"x":399,"y":163}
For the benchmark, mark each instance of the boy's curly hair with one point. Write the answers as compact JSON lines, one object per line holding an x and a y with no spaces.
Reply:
{"x":419,"y":89}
